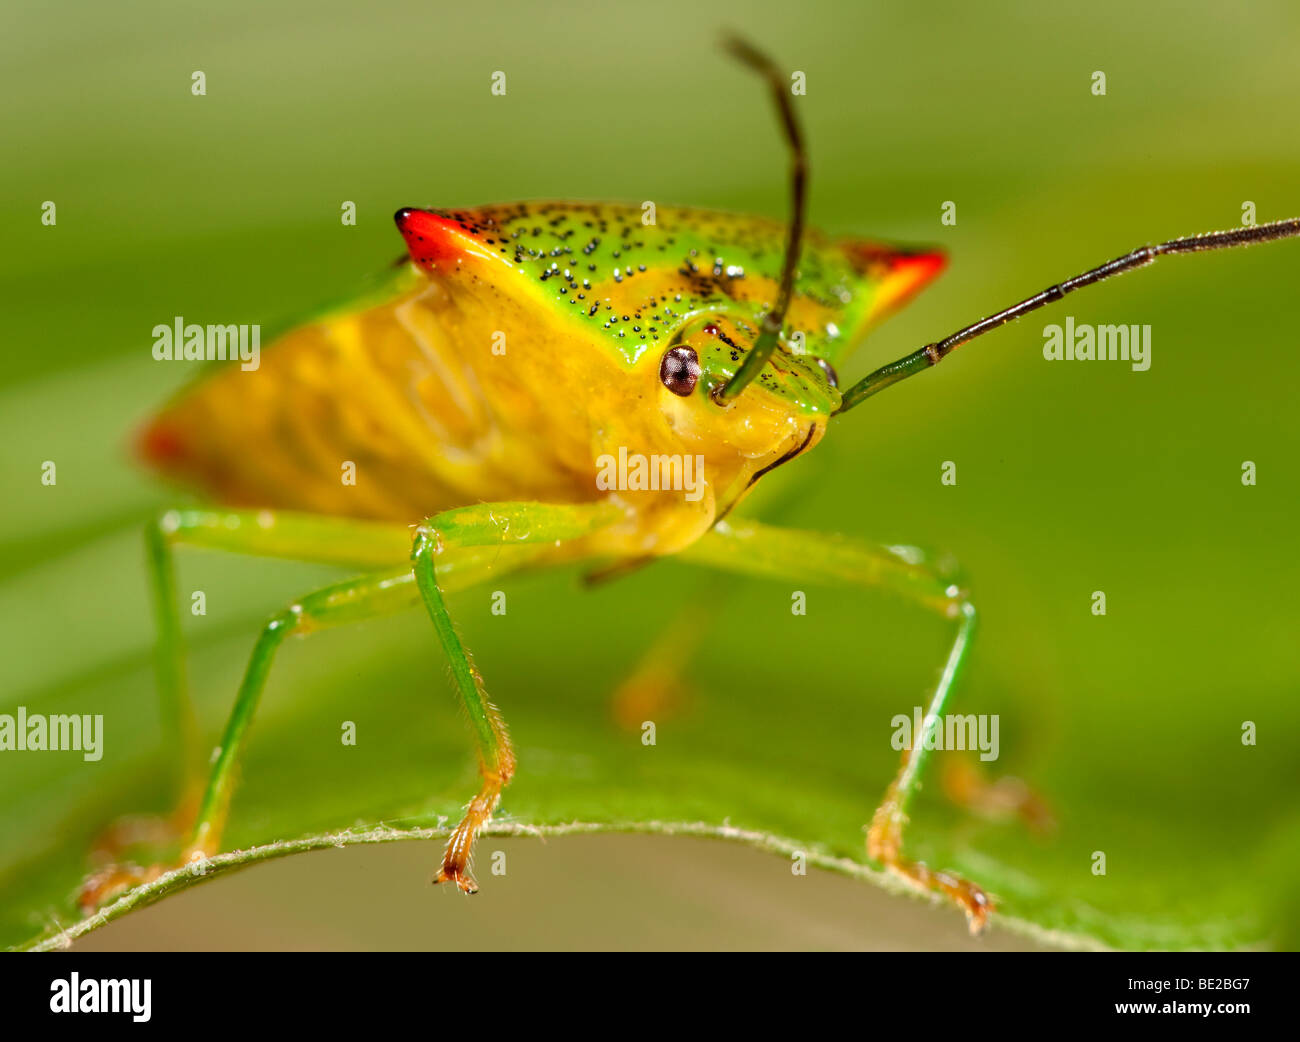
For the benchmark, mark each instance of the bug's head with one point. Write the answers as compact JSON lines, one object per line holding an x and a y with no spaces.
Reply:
{"x":783,"y":411}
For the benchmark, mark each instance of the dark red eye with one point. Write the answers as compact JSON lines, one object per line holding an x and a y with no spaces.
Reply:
{"x":829,"y":370}
{"x":680,"y":370}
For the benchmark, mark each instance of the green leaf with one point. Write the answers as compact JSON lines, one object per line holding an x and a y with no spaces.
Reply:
{"x":789,"y":752}
{"x":1072,"y":477}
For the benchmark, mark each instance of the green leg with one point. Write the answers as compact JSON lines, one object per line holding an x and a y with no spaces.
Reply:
{"x":489,"y":524}
{"x":754,"y":549}
{"x":659,"y":685}
{"x":302,"y":537}
{"x":312,"y":538}
{"x":368,"y":597}
{"x":180,"y":732}
{"x":179,"y":724}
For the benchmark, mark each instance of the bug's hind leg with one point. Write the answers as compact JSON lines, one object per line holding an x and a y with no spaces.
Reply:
{"x":179,"y":723}
{"x":763,"y":550}
{"x":370,"y":596}
{"x":885,"y":833}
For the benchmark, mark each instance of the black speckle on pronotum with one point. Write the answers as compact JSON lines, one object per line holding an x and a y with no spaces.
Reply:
{"x":680,"y":370}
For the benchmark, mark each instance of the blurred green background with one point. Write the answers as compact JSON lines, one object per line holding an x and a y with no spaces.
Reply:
{"x":1072,"y":477}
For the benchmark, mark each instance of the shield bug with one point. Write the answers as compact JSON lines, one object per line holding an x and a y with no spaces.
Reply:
{"x":656,"y":373}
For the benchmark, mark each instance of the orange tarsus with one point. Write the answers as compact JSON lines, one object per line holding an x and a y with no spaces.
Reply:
{"x":655,"y":688}
{"x":114,"y":877}
{"x":104,"y":885}
{"x":460,"y":847}
{"x":966,"y":785}
{"x":654,"y":691}
{"x":885,"y":844}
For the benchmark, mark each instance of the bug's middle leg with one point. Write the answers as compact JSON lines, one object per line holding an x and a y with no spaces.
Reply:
{"x":658,"y":685}
{"x":762,"y":550}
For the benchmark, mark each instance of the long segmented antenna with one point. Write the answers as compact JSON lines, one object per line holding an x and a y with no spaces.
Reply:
{"x":932,"y":354}
{"x":773,"y":321}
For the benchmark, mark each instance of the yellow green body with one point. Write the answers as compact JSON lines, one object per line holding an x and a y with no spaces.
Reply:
{"x":461,"y":422}
{"x":518,"y":347}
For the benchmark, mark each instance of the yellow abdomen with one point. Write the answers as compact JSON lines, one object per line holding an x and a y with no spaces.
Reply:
{"x":395,"y":412}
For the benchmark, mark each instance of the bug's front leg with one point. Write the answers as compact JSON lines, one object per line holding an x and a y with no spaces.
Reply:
{"x":885,"y":833}
{"x":486,"y":524}
{"x":756,"y":549}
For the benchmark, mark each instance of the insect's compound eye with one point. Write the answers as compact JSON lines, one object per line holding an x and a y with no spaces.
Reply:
{"x":831,"y":376}
{"x":680,"y":370}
